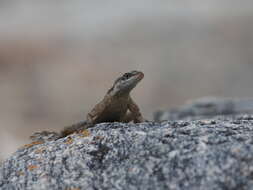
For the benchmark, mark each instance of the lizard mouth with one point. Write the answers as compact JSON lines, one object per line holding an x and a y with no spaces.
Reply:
{"x":140,"y":76}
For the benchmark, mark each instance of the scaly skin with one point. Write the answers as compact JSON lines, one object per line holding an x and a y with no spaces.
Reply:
{"x":116,"y":106}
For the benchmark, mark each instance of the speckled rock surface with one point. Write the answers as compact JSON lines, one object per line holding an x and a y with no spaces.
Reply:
{"x":207,"y":107}
{"x":205,"y":154}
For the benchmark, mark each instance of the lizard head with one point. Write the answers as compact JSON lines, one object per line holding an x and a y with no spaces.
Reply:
{"x":125,"y":83}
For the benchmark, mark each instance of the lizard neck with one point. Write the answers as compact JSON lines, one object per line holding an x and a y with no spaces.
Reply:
{"x":122,"y":95}
{"x":118,"y":93}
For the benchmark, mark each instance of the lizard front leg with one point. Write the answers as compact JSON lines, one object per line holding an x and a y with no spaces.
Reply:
{"x":128,"y":117}
{"x":135,"y":112}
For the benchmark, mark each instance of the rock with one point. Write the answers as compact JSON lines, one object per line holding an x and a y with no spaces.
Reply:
{"x":205,"y":154}
{"x":207,"y":107}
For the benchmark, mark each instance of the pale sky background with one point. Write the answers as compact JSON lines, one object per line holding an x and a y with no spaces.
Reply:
{"x":58,"y":58}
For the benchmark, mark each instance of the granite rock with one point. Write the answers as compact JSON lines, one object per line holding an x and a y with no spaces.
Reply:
{"x":205,"y":154}
{"x":207,"y":107}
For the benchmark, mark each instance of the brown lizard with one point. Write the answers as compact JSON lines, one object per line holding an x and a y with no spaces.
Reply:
{"x":116,"y":106}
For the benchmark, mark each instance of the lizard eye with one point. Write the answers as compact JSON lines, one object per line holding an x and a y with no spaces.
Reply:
{"x":126,"y":76}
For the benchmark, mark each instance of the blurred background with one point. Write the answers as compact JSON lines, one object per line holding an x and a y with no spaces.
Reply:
{"x":58,"y":58}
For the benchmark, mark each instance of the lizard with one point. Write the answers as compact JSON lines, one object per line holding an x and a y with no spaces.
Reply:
{"x":116,"y":106}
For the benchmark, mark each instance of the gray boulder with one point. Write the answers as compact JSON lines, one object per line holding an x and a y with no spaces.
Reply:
{"x":205,"y":154}
{"x":207,"y":107}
